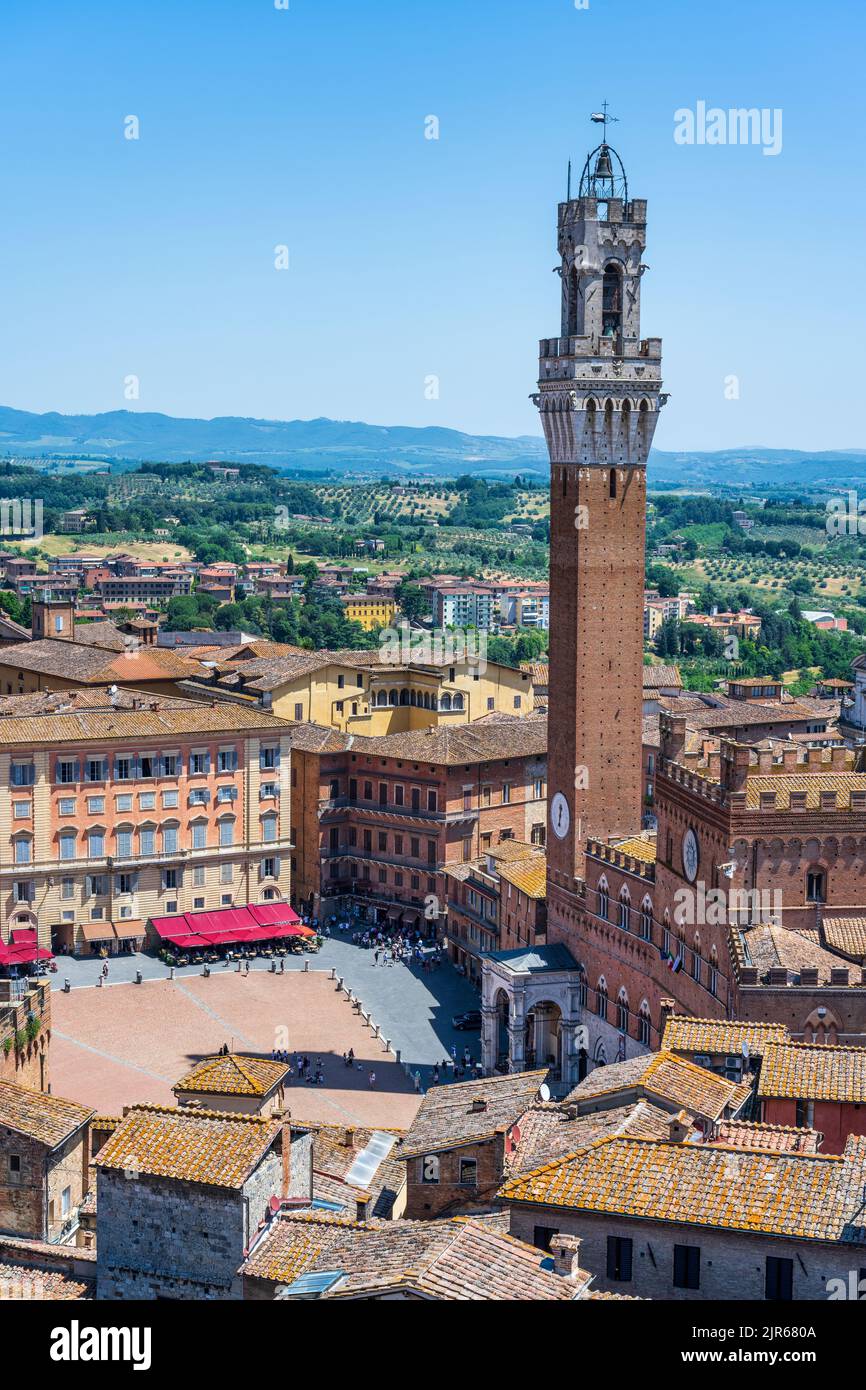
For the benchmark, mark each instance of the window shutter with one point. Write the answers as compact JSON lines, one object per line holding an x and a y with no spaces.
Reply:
{"x":262,"y":764}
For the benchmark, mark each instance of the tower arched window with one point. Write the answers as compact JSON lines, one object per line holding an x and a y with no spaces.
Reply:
{"x":622,"y":1011}
{"x":611,"y":303}
{"x":644,"y":1024}
{"x":581,"y":987}
{"x":601,"y":998}
{"x":646,"y":919}
{"x":696,"y":958}
{"x":603,"y":899}
{"x":611,"y":484}
{"x":624,"y":910}
{"x":714,"y":970}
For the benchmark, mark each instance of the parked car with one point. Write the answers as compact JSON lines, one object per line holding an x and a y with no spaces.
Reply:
{"x":467,"y":1023}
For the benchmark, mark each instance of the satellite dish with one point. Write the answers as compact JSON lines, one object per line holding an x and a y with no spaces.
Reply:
{"x":544,"y":1091}
{"x":745,"y":1051}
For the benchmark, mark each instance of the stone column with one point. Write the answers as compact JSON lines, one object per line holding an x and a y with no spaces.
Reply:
{"x":489,"y":1038}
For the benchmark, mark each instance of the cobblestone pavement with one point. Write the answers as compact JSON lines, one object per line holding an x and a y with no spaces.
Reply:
{"x":119,"y":1043}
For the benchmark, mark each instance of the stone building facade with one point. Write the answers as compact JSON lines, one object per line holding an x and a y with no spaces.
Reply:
{"x":182,"y":1195}
{"x":44,"y":1153}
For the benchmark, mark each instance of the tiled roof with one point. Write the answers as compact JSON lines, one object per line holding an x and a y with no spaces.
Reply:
{"x":26,"y":1283}
{"x":461,"y":1259}
{"x":95,"y":665}
{"x":813,"y":1071}
{"x":714,"y":1036}
{"x":335,"y":1149}
{"x":122,"y":723}
{"x":528,"y":875}
{"x":446,"y":1117}
{"x":94,"y":697}
{"x":767,"y":947}
{"x":48,"y":1119}
{"x":665,"y":1077}
{"x":745,"y":1134}
{"x":481,"y":741}
{"x":811,"y":783}
{"x":845,"y":934}
{"x":638,"y":848}
{"x":550,"y":1131}
{"x":200,"y":1146}
{"x":805,"y":1196}
{"x":658,"y":677}
{"x":233,"y":1076}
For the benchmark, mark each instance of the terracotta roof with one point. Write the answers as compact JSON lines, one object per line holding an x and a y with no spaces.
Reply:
{"x":233,"y":1076}
{"x":663,"y":1076}
{"x":106,"y":635}
{"x":461,"y":1259}
{"x":638,"y":848}
{"x":109,"y":724}
{"x":89,"y":665}
{"x":657,"y":677}
{"x":480,"y":741}
{"x":810,"y":783}
{"x":845,"y":934}
{"x":745,"y":1134}
{"x":335,"y":1149}
{"x":446,"y":1116}
{"x":48,"y":1119}
{"x":549,"y":1131}
{"x":90,"y":698}
{"x":767,"y":947}
{"x":528,"y":875}
{"x":805,"y":1196}
{"x":813,"y":1071}
{"x":200,"y":1146}
{"x":714,"y":1036}
{"x":26,"y":1283}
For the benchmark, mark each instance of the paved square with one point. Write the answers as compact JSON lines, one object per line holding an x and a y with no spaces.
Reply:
{"x":124,"y":1043}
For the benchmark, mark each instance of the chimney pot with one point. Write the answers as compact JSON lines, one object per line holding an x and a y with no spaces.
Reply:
{"x":565,"y":1250}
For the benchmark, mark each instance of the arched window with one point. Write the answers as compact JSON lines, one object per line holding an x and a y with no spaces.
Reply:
{"x":393,"y":698}
{"x":624,"y":910}
{"x":581,"y":987}
{"x":622,"y":1011}
{"x":646,"y":919}
{"x":382,"y":697}
{"x":404,"y":697}
{"x":445,"y":702}
{"x":643,"y":1024}
{"x":714,"y":970}
{"x":666,"y":933}
{"x":601,"y":998}
{"x":696,"y":958}
{"x":603,"y":899}
{"x":611,"y":483}
{"x":611,"y":303}
{"x":457,"y":702}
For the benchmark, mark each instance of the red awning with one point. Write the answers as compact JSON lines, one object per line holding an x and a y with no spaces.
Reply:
{"x":22,"y":955}
{"x":267,"y":913}
{"x":24,"y":936}
{"x":229,"y":926}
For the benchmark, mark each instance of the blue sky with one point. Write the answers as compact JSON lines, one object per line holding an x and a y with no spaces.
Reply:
{"x":411,"y":258}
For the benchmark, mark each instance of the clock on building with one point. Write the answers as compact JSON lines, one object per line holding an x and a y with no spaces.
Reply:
{"x":560,"y":816}
{"x":691,"y":855}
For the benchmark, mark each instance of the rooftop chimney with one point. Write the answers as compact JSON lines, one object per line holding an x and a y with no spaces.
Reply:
{"x":479,"y":1105}
{"x":286,"y":1147}
{"x":350,"y":1136}
{"x":566,"y":1255}
{"x":679,"y":1127}
{"x":362,"y":1206}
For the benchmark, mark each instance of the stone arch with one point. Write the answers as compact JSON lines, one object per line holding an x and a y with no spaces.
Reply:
{"x":622,"y":1010}
{"x":822,"y":1026}
{"x":601,"y":998}
{"x":644,"y":1023}
{"x":603,"y":894}
{"x":646,"y":918}
{"x":624,"y":908}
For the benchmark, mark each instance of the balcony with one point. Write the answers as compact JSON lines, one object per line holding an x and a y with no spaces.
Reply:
{"x":258,"y":848}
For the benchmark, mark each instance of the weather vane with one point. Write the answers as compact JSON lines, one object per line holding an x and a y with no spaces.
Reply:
{"x":603,"y":118}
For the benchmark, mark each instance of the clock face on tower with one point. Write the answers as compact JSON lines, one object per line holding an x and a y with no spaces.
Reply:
{"x":560,"y":816}
{"x":691,"y":855}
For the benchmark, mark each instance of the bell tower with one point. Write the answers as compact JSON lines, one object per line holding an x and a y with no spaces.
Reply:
{"x":599,"y":393}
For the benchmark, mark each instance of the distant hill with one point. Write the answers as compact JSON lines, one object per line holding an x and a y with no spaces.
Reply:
{"x":343,"y":446}
{"x":352,"y":447}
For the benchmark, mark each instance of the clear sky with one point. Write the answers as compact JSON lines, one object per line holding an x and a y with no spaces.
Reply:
{"x":409,"y":257}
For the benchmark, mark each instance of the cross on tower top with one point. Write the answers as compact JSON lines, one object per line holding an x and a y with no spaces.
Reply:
{"x":603,"y":118}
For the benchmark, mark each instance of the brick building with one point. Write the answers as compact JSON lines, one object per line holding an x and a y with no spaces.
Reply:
{"x":25,"y":1032}
{"x":378,"y":819}
{"x":495,"y":903}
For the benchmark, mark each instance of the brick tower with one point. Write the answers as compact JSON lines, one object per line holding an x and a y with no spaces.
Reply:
{"x":599,"y":394}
